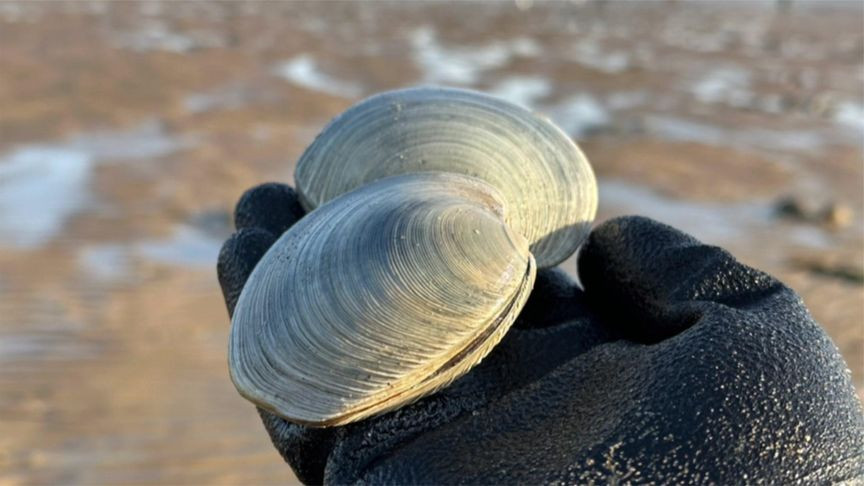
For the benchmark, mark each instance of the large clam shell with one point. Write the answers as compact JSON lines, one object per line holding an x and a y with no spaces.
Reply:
{"x":547,"y":183}
{"x":379,"y":297}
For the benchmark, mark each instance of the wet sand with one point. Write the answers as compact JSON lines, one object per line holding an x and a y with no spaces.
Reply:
{"x":128,"y":131}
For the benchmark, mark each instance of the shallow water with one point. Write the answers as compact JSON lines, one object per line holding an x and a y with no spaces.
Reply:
{"x":128,"y":130}
{"x":42,"y":185}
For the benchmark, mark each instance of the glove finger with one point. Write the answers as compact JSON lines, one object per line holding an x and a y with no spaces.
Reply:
{"x":271,"y":206}
{"x":305,"y":449}
{"x":643,"y":276}
{"x":262,"y":214}
{"x":238,"y":257}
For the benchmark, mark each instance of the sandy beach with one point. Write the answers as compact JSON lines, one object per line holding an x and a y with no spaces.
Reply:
{"x":128,"y":131}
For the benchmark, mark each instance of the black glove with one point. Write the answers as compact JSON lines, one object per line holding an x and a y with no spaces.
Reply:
{"x":676,"y":364}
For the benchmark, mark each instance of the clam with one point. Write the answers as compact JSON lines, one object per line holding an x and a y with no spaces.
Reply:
{"x":429,"y":211}
{"x":546,"y":181}
{"x":379,"y":297}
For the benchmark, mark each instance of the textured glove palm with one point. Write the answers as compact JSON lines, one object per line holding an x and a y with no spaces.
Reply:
{"x":675,"y":364}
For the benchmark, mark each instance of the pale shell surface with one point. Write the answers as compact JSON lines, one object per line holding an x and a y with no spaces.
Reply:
{"x":379,"y":297}
{"x":545,"y":180}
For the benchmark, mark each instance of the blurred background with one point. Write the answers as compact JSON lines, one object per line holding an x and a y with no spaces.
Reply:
{"x":129,"y":129}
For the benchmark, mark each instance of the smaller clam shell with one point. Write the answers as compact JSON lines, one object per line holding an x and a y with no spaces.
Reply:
{"x":546,"y":181}
{"x":377,"y":298}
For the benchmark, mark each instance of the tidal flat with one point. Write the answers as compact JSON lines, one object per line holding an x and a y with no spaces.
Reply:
{"x":128,"y":131}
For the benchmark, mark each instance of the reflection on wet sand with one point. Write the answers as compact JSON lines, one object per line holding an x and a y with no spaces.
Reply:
{"x":129,"y":130}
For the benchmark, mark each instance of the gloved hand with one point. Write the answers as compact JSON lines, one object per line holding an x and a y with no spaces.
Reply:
{"x":676,"y":364}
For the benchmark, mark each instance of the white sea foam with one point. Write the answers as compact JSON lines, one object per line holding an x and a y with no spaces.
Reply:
{"x":522,"y":90}
{"x":850,"y":114}
{"x":186,"y":246}
{"x":304,"y":71}
{"x":589,"y":53}
{"x":579,"y":115}
{"x":105,"y":262}
{"x":464,"y":65}
{"x":730,"y":86}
